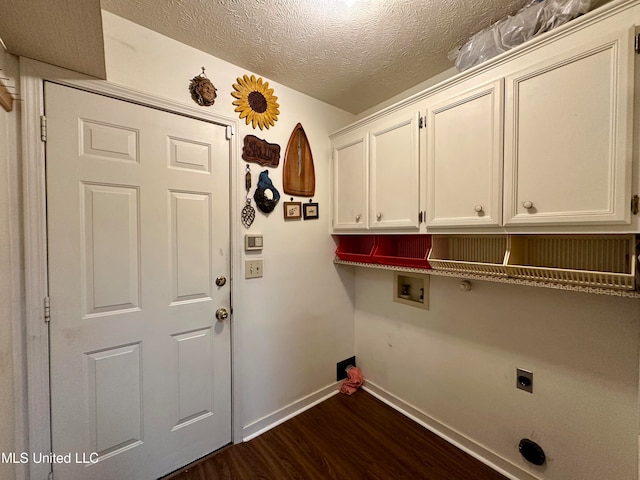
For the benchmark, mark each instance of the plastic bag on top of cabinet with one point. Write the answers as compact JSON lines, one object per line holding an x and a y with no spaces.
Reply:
{"x":536,"y":17}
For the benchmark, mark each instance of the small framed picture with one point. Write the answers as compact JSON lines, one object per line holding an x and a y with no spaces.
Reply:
{"x":292,"y":210}
{"x":310,"y":211}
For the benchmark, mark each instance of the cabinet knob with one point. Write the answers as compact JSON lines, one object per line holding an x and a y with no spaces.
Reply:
{"x":478,"y":208}
{"x":379,"y":216}
{"x":528,"y":205}
{"x":357,"y":217}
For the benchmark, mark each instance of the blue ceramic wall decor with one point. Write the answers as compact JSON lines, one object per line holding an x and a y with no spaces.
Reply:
{"x":266,"y":204}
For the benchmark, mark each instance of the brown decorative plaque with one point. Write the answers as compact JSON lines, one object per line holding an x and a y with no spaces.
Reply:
{"x":260,"y":151}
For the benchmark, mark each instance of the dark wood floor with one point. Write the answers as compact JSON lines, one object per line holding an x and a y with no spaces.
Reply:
{"x":356,"y":437}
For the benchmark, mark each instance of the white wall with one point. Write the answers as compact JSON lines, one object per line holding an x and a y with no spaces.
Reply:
{"x":10,"y":266}
{"x":296,"y":322}
{"x":456,"y":365}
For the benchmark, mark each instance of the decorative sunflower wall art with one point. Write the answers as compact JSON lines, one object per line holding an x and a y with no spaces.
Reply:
{"x":255,"y":102}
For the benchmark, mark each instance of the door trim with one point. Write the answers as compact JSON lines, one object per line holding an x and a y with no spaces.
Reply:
{"x":33,"y":348}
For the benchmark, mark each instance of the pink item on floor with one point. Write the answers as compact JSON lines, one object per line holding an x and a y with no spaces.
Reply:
{"x":353,"y":381}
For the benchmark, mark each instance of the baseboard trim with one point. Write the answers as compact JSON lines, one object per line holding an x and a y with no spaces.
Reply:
{"x":478,"y":452}
{"x":295,"y":408}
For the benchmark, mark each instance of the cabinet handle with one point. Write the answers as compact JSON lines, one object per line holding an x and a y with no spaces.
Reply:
{"x":357,"y":217}
{"x":379,"y":216}
{"x":528,"y":205}
{"x":478,"y":208}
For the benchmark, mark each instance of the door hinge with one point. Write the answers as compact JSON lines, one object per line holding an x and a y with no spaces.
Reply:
{"x":422,"y":123}
{"x":43,"y":128}
{"x":47,"y":309}
{"x":420,"y":217}
{"x":637,"y":43}
{"x":230,"y":132}
{"x":634,"y":204}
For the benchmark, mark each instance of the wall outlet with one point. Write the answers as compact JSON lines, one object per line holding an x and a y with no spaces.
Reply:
{"x":253,"y":268}
{"x":524,"y":380}
{"x":341,"y":368}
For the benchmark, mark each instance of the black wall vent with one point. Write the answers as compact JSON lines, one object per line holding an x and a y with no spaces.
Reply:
{"x":531,"y":451}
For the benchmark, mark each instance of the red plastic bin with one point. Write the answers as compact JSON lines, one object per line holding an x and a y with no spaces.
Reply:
{"x":403,"y":250}
{"x":356,"y":248}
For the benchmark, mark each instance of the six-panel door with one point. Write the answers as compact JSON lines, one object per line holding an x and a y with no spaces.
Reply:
{"x":138,"y":230}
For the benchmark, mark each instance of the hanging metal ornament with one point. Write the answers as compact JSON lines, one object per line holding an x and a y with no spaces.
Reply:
{"x":202,"y":90}
{"x":248,"y":214}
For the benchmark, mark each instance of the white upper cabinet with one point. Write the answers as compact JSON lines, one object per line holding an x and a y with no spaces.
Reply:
{"x":568,"y":137}
{"x":376,"y":174}
{"x":394,"y":174}
{"x":464,"y":156}
{"x":350,"y":196}
{"x":540,"y":140}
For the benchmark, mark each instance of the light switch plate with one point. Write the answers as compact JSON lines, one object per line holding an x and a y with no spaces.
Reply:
{"x":253,"y":268}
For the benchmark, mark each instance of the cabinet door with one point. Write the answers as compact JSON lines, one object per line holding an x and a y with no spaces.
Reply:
{"x":464,"y":158}
{"x":394,"y":171}
{"x":350,"y":181}
{"x":568,"y":137}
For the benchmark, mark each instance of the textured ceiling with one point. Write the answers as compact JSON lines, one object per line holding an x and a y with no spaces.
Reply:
{"x":351,"y":57}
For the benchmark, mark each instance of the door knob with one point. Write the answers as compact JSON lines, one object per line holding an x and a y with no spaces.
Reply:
{"x":222,"y":314}
{"x":379,"y":216}
{"x":478,"y":208}
{"x":527,"y":205}
{"x":221,"y":280}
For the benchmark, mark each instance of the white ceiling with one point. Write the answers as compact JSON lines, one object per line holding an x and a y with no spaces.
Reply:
{"x":353,"y":57}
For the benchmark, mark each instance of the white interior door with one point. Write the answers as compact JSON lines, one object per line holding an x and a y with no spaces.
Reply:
{"x":138,"y":231}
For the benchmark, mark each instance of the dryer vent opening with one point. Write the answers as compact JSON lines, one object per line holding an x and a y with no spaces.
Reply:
{"x":531,"y":451}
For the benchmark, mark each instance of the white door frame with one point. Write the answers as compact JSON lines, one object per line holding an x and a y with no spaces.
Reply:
{"x":33,"y":348}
